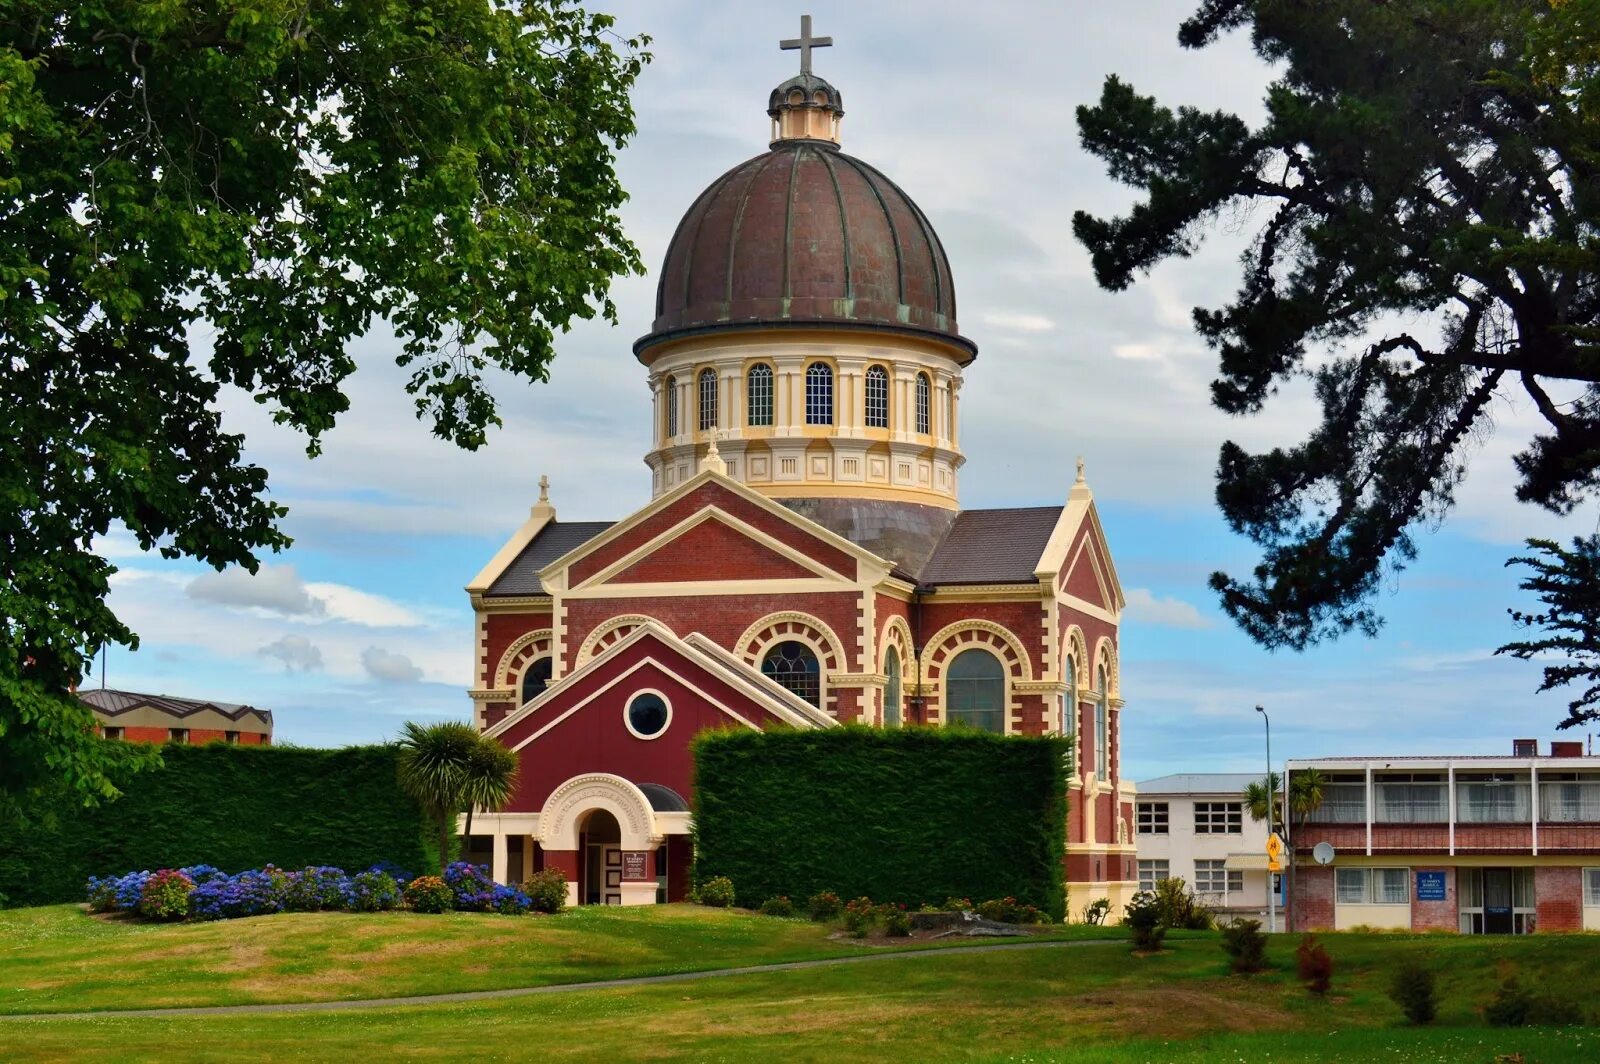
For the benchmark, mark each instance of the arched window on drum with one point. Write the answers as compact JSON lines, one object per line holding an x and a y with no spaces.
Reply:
{"x":535,"y":678}
{"x":975,"y":691}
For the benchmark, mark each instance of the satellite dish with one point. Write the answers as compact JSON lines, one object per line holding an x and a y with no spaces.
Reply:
{"x":1322,"y":853}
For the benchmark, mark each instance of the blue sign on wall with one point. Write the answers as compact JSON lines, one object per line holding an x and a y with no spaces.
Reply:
{"x":1430,"y":886}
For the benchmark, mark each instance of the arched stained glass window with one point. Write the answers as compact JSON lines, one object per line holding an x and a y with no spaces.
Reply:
{"x":669,"y":396}
{"x":535,"y":678}
{"x":1102,"y":734}
{"x":924,"y":403}
{"x":877,"y":397}
{"x":891,"y":689}
{"x":819,"y":394}
{"x":975,"y":691}
{"x":794,"y":665}
{"x":1069,"y":707}
{"x":708,"y":399}
{"x":758,"y":396}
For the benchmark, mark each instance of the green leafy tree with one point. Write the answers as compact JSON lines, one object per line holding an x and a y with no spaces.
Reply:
{"x":491,"y":777}
{"x":1261,"y":799}
{"x":433,"y":765}
{"x":268,"y":179}
{"x":1568,"y":628}
{"x":1427,"y":184}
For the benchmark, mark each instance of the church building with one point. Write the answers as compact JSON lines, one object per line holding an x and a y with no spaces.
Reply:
{"x":804,"y":559}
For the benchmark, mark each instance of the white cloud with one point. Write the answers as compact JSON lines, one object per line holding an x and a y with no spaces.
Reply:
{"x":1149,"y":608}
{"x":1030,"y":323}
{"x":389,"y":667}
{"x":343,"y":603}
{"x":273,"y":587}
{"x":296,"y":652}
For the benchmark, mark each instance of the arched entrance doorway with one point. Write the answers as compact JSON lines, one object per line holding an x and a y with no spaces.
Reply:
{"x":600,"y":880}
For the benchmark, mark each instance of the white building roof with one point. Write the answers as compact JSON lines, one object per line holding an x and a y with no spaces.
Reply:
{"x":1232,"y":783}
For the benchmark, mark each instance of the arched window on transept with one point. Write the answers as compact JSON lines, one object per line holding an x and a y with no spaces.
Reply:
{"x":669,"y":396}
{"x":891,"y":689}
{"x":708,"y":399}
{"x":758,"y":396}
{"x":975,"y":691}
{"x":819,"y":394}
{"x":877,"y":397}
{"x":924,"y":402}
{"x":1069,"y":706}
{"x":795,"y":667}
{"x":1102,"y":727}
{"x":535,"y":678}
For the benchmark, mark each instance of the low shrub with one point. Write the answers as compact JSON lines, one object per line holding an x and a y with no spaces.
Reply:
{"x":1142,"y":914}
{"x":824,"y":906}
{"x":473,"y":888}
{"x":1180,"y":908}
{"x":507,"y":901}
{"x":896,"y":921}
{"x":1243,"y":941}
{"x":1313,"y":965}
{"x":1009,"y":911}
{"x":253,"y":893}
{"x":859,"y":916}
{"x":314,"y":889}
{"x":716,"y":892}
{"x":429,"y":894}
{"x":1412,"y":988}
{"x":372,"y":891}
{"x":1097,"y":911}
{"x":166,"y":895}
{"x":547,"y":891}
{"x":777,"y":905}
{"x":958,"y":905}
{"x":1513,"y":1005}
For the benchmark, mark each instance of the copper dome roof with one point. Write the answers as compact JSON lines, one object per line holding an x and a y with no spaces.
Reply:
{"x":807,"y":236}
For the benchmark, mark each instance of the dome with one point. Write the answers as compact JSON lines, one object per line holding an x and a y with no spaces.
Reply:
{"x":805,"y":236}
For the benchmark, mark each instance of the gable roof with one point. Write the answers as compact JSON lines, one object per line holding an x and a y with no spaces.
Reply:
{"x":521,"y":576}
{"x":111,"y":703}
{"x":992,"y":547}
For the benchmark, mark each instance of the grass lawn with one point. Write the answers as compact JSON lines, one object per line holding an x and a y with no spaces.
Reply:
{"x":1092,"y":1004}
{"x":59,"y":959}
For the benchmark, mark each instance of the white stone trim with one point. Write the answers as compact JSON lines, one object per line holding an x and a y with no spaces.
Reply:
{"x":627,"y":714}
{"x":581,"y":795}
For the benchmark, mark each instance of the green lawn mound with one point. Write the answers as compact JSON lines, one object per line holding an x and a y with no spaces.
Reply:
{"x":1090,"y":1003}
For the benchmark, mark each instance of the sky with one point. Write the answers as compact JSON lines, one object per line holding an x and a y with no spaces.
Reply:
{"x":362,"y":624}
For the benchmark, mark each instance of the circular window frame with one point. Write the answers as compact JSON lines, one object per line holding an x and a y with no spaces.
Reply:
{"x":627,"y":714}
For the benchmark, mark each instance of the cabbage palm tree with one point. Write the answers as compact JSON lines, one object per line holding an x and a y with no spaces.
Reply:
{"x":491,"y":777}
{"x":1263,"y":801}
{"x":433,"y":764}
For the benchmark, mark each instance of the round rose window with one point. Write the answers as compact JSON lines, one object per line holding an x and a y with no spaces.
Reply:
{"x":648,"y":714}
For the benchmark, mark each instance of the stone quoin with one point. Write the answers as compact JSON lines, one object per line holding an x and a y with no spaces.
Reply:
{"x":804,"y":559}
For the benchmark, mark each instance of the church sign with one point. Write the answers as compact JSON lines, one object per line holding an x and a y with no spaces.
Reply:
{"x":635,"y":864}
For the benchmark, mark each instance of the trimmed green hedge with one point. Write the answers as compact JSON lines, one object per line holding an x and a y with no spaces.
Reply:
{"x":907,"y":815}
{"x":234,"y":807}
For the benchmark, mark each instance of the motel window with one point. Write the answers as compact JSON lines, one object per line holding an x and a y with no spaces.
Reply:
{"x":1218,"y":818}
{"x":819,"y":394}
{"x":1372,"y":886}
{"x":1591,"y":886}
{"x":178,"y":735}
{"x":669,"y":396}
{"x":1213,"y":877}
{"x":1414,"y":798}
{"x":877,"y":397}
{"x":1569,"y":798}
{"x":924,"y":403}
{"x":975,"y":691}
{"x":794,"y":666}
{"x":535,"y":678}
{"x":1152,"y":818}
{"x":1344,"y":801}
{"x":708,"y":399}
{"x":1152,"y":872}
{"x":758,"y":396}
{"x":112,"y":733}
{"x":1489,"y":799}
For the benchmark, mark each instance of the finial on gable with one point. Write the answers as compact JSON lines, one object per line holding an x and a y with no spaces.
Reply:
{"x":1080,"y":486}
{"x":1080,"y":479}
{"x":543,"y":508}
{"x":713,"y":459}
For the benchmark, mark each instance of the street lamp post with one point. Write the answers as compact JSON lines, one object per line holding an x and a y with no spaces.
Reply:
{"x":1272,"y":801}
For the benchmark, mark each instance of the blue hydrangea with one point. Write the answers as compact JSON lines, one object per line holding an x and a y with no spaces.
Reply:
{"x":316,"y":888}
{"x":473,"y":888}
{"x":371,"y":891}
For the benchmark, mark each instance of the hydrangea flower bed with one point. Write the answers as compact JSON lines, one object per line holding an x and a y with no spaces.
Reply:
{"x":202,"y":892}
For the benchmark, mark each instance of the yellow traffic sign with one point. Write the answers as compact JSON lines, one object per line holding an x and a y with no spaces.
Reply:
{"x":1274,"y":865}
{"x":1274,"y":846}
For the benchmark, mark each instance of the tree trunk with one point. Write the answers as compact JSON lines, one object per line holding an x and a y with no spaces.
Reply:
{"x":466,"y":836}
{"x":444,"y":841}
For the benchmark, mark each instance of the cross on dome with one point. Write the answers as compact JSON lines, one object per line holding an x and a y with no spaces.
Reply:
{"x":805,"y":42}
